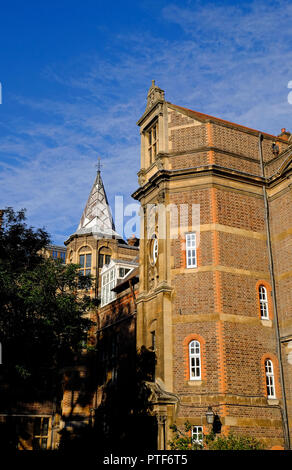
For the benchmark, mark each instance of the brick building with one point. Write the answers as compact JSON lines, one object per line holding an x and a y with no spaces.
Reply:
{"x":217,"y":295}
{"x":92,"y":390}
{"x":213,"y":299}
{"x":207,"y":291}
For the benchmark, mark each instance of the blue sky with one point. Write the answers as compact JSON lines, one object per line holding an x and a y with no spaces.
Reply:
{"x":75,"y":77}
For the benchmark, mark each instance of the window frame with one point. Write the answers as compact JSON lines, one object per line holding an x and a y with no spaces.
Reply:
{"x":104,"y":259}
{"x":152,"y":142}
{"x":83,"y":268}
{"x":108,"y":282}
{"x":196,"y":356}
{"x":55,"y":254}
{"x":42,"y":435}
{"x":197,"y":433}
{"x":191,"y":246}
{"x":264,"y":302}
{"x":270,"y":379}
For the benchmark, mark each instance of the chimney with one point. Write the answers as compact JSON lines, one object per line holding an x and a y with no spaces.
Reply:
{"x":284,"y":134}
{"x":133,"y":241}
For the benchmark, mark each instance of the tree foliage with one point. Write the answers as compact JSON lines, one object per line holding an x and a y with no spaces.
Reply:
{"x":233,"y":442}
{"x":42,"y":322}
{"x":182,"y":440}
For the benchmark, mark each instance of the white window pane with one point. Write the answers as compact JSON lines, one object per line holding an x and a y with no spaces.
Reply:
{"x":191,"y":250}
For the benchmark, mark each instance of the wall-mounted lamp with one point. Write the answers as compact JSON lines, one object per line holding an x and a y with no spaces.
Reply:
{"x":210,"y":415}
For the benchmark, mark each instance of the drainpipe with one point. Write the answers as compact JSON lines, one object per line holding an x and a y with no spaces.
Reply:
{"x":284,"y":412}
{"x":135,"y":309}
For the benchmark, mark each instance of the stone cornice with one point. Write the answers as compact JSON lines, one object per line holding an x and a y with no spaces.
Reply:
{"x":214,"y":170}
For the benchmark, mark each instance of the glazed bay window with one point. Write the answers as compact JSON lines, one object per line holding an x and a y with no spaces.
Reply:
{"x":152,"y":136}
{"x":123,"y":272}
{"x":108,"y":282}
{"x":191,"y":250}
{"x":111,"y":274}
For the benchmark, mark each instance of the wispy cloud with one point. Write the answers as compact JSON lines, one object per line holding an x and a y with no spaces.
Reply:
{"x":231,"y":62}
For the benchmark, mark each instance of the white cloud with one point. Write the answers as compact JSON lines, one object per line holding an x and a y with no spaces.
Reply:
{"x":231,"y":62}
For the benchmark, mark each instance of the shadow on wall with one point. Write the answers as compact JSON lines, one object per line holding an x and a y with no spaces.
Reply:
{"x":122,"y":418}
{"x":118,"y":417}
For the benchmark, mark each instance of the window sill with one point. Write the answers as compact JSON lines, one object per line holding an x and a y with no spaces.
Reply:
{"x":266,"y":322}
{"x":273,"y":401}
{"x":193,"y":383}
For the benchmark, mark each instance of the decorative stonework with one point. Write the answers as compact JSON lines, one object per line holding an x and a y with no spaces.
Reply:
{"x":141,"y":177}
{"x":159,"y":163}
{"x":154,"y":94}
{"x":158,"y":394}
{"x":161,"y":197}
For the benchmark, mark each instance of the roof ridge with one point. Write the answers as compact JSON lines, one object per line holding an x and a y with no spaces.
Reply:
{"x":224,"y":120}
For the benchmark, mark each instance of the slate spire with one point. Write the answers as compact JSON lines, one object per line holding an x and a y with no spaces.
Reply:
{"x":96,"y":217}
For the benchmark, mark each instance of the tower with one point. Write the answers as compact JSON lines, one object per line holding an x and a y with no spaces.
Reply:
{"x":208,"y":284}
{"x":97,"y":248}
{"x":96,"y":242}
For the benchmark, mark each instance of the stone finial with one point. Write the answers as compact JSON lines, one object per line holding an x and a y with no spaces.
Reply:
{"x":285,"y":135}
{"x":154,"y":94}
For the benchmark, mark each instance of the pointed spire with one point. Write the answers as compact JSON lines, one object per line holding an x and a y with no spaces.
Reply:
{"x":96,"y":217}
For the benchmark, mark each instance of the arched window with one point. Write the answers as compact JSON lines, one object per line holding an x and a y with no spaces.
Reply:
{"x":263,"y":296}
{"x":85,"y":264}
{"x":195,"y":360}
{"x":84,"y":258}
{"x":270,"y":379}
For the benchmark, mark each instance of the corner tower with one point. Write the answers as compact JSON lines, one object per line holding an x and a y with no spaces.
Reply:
{"x":94,"y":246}
{"x":96,"y":242}
{"x":205,"y":283}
